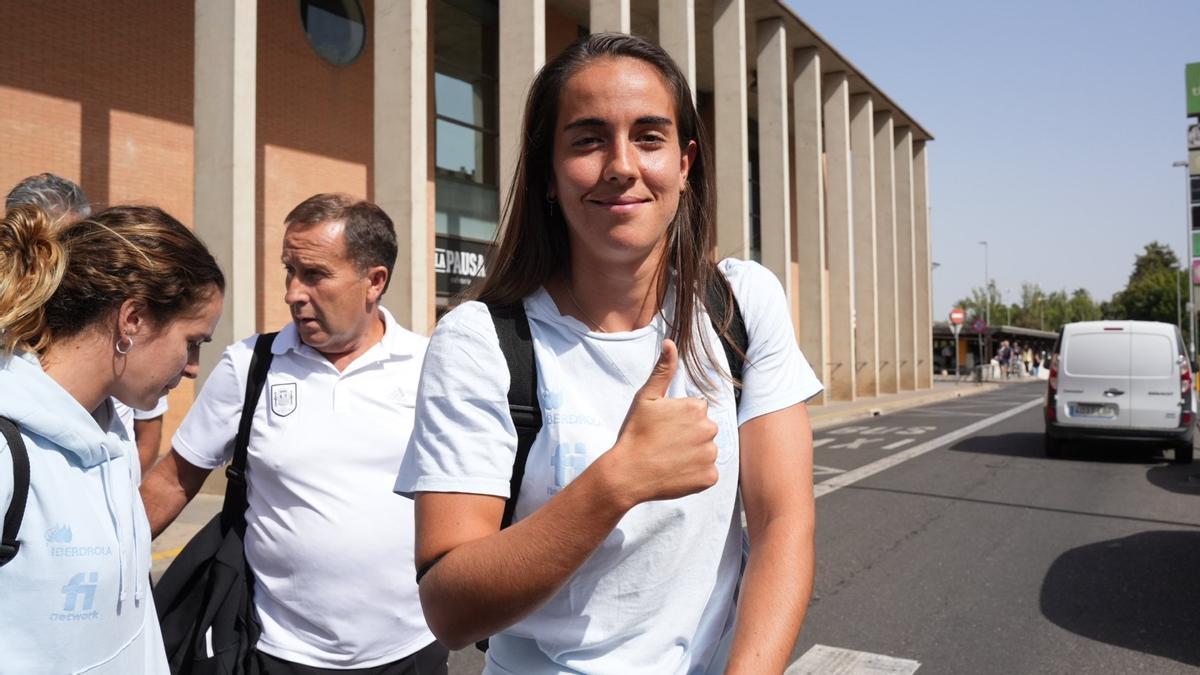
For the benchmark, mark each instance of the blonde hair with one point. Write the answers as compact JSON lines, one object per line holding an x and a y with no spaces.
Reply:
{"x":57,"y":281}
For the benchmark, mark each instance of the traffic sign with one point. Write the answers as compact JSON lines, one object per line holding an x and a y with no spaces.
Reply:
{"x":956,"y":316}
{"x":979,"y":325}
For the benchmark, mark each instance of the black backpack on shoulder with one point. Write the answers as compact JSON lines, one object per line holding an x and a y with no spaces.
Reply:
{"x":205,"y":599}
{"x":9,"y":544}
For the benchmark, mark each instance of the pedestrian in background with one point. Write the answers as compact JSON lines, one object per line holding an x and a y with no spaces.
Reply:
{"x":113,"y":307}
{"x":64,"y":203}
{"x":626,"y":552}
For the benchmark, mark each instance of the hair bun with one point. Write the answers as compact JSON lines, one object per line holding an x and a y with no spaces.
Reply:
{"x":32,"y":264}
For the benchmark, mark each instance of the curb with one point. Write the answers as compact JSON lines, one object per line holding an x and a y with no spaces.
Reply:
{"x":876,"y":408}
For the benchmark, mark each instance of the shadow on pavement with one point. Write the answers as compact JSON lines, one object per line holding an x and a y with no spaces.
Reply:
{"x":1029,"y":444}
{"x":1181,"y":478}
{"x":1014,"y":444}
{"x":1139,"y":592}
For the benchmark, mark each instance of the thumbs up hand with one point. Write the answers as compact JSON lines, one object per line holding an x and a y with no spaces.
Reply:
{"x":666,"y":447}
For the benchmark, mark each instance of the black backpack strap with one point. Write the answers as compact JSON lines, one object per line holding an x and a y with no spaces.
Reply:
{"x":726,"y":317}
{"x":512,"y":328}
{"x":233,"y":513}
{"x":9,"y":545}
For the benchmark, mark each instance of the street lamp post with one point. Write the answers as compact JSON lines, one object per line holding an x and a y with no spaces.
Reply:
{"x":987,"y":296}
{"x":1191,"y":306}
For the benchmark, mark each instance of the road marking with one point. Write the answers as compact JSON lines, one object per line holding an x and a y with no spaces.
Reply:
{"x":162,"y":555}
{"x":823,"y":660}
{"x":822,"y":441}
{"x":863,"y":472}
{"x":857,"y":443}
{"x":898,"y":444}
{"x":826,"y":470}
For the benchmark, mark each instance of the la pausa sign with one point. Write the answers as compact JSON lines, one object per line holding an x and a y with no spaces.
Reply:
{"x":457,"y":263}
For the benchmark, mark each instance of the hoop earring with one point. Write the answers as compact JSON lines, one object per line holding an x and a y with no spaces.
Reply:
{"x":127,"y":348}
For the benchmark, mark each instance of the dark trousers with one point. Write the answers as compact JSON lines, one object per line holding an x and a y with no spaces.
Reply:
{"x":431,"y":660}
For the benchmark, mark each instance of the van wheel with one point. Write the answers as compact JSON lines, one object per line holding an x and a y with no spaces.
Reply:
{"x":1184,"y":453}
{"x":1054,"y":446}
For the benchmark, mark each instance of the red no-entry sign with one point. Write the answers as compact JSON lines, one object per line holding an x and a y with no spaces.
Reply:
{"x":956,"y":316}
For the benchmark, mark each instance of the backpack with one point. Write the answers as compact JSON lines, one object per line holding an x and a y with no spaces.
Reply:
{"x":9,"y":544}
{"x":512,"y":329}
{"x":205,"y":599}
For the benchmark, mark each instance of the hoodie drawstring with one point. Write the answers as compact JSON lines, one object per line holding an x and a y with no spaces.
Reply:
{"x":139,"y":579}
{"x":105,"y":470}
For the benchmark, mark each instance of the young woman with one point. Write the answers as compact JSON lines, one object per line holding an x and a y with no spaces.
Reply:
{"x":113,"y":306}
{"x":626,"y":552}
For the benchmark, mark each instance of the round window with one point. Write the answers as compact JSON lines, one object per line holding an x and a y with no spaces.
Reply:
{"x":335,"y":29}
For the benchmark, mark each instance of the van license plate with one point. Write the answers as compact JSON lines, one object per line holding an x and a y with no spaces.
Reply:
{"x":1093,"y":410}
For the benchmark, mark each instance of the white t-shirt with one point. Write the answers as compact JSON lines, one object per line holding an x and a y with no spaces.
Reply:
{"x":128,"y":415}
{"x":330,"y":544}
{"x":658,"y":595}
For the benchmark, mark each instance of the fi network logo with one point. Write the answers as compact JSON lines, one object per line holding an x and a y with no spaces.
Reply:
{"x":76,"y":588}
{"x":78,"y":597}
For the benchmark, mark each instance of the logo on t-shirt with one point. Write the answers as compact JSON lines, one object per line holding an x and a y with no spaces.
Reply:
{"x":283,"y":398}
{"x":569,"y":460}
{"x":59,"y":534}
{"x":79,"y":594}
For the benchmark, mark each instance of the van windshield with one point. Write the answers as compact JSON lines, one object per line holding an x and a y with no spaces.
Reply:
{"x":1098,"y":354}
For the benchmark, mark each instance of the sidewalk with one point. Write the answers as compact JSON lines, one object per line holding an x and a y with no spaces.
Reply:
{"x":833,"y":413}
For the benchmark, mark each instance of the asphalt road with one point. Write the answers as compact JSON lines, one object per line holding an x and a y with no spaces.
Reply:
{"x":983,"y":556}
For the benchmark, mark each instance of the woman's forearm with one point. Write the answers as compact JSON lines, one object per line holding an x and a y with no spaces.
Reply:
{"x":484,"y":586}
{"x":774,"y":598}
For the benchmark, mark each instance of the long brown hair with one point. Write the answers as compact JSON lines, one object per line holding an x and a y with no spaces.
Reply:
{"x":532,"y":248}
{"x":55,"y":282}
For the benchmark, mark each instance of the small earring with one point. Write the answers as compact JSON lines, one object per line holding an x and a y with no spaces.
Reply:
{"x":122,"y":348}
{"x":550,"y":201}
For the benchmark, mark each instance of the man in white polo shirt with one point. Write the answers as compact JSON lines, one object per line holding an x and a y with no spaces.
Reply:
{"x":330,"y":545}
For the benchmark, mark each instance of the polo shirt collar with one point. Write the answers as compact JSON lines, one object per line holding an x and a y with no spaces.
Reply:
{"x":396,"y":340}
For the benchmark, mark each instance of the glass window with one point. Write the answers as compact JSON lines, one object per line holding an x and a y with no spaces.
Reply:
{"x":466,"y":56}
{"x":335,"y":29}
{"x":1153,"y":356}
{"x":1098,"y":354}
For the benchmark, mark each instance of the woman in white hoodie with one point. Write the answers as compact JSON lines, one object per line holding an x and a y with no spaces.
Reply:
{"x":114,"y":306}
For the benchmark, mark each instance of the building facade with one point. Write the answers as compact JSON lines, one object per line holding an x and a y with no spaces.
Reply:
{"x":229,"y":112}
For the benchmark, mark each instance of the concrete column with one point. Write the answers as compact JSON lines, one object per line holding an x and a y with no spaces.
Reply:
{"x":808,"y":185}
{"x":677,"y":35}
{"x":885,"y":253}
{"x":609,"y":16}
{"x":839,"y":237}
{"x":773,"y":170}
{"x":731,"y":137}
{"x":906,"y":273}
{"x":924,"y":267}
{"x":866,"y":310}
{"x":523,"y":25}
{"x":224,"y":158}
{"x":401,"y":156}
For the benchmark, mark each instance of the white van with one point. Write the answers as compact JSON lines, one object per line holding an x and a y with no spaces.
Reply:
{"x":1121,"y":380}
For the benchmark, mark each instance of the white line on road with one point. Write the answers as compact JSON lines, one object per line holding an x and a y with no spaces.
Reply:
{"x":898,"y":444}
{"x":850,"y":477}
{"x":822,"y":441}
{"x":819,"y":470}
{"x":822,"y":660}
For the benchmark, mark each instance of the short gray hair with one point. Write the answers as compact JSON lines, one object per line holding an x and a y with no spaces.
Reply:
{"x":56,"y":196}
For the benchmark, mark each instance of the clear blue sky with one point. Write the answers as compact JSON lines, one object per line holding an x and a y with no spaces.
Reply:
{"x":1056,"y":123}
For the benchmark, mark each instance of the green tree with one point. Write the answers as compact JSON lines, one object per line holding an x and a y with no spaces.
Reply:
{"x":1156,"y":286}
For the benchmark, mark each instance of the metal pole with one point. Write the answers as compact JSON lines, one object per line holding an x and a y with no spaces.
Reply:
{"x":987,"y":293}
{"x":1187,"y":203}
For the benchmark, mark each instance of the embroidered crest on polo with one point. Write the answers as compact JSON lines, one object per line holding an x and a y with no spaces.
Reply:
{"x":283,"y":398}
